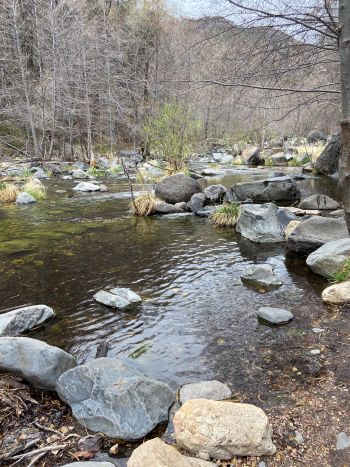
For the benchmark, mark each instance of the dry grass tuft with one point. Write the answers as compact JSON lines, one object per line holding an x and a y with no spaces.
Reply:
{"x":144,"y":205}
{"x":35,"y":188}
{"x":226,"y":215}
{"x":8,"y":193}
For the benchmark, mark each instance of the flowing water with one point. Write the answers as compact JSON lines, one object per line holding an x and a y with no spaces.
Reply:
{"x":197,"y":320}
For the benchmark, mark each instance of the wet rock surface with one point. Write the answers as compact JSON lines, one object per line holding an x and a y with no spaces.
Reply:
{"x":20,"y":320}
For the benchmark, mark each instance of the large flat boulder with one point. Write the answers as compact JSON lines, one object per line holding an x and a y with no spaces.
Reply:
{"x":312,"y":233}
{"x":155,"y":453}
{"x":38,"y":363}
{"x":331,"y":256}
{"x":107,"y":396}
{"x":319,"y":202}
{"x":263,"y":223}
{"x":328,"y":161}
{"x":272,"y":189}
{"x":337,"y":294}
{"x":177,"y":188}
{"x":223,"y":429}
{"x":14,"y":322}
{"x":214,"y":390}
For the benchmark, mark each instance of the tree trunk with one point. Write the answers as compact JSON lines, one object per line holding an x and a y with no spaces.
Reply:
{"x":344,"y":163}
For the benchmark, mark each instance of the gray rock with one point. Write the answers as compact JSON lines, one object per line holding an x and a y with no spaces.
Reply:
{"x":80,"y":174}
{"x":321,"y":202}
{"x":328,"y":161}
{"x":90,"y":464}
{"x":196,"y":176}
{"x":38,"y":172}
{"x":279,"y":159}
{"x":117,"y":297}
{"x":274,"y":315}
{"x":318,"y":330}
{"x":263,"y":223}
{"x":343,"y":441}
{"x":315,"y":136}
{"x":312,"y":233}
{"x":197,"y":202}
{"x":55,"y":169}
{"x":214,"y":390}
{"x":35,"y":361}
{"x":222,"y":158}
{"x":337,"y":213}
{"x":86,"y":186}
{"x":67,"y":177}
{"x":206,"y":211}
{"x":273,"y":189}
{"x":331,"y":256}
{"x":182,"y":205}
{"x":215,"y":193}
{"x":176,"y":188}
{"x":107,"y":396}
{"x":213,"y":172}
{"x":17,"y":321}
{"x":25,"y":198}
{"x":260,"y":275}
{"x":251,"y":156}
{"x":131,"y":156}
{"x":299,"y":438}
{"x":165,"y":208}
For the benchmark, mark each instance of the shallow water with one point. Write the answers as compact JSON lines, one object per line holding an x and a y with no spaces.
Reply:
{"x":197,"y":320}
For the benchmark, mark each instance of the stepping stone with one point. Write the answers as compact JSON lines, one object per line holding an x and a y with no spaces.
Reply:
{"x":274,"y":315}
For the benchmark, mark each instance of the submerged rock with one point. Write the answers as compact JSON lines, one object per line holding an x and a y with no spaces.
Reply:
{"x":272,"y":189}
{"x":263,"y":223}
{"x":213,"y":390}
{"x":117,"y":298}
{"x":274,"y":315}
{"x":328,"y":161}
{"x":155,"y":453}
{"x":315,"y":232}
{"x":17,"y":321}
{"x":337,"y":294}
{"x":37,"y":362}
{"x":331,"y":256}
{"x":86,"y":186}
{"x":321,"y":202}
{"x":176,"y":188}
{"x":25,"y":198}
{"x":260,"y":275}
{"x":223,"y":429}
{"x":109,"y":397}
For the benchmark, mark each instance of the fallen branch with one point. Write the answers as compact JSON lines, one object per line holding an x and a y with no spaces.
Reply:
{"x":40,"y":450}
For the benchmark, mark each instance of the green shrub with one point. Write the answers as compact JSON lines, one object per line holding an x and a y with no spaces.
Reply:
{"x":226,"y":216}
{"x":35,"y":188}
{"x":342,"y":274}
{"x":93,"y":172}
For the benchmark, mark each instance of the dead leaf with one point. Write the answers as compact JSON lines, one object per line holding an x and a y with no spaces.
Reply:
{"x":83,"y":454}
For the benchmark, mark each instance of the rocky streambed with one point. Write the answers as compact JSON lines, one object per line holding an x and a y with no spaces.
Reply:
{"x":197,"y":320}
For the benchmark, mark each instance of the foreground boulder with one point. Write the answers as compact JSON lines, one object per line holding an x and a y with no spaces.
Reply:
{"x":109,"y":397}
{"x":17,"y":321}
{"x":275,"y":316}
{"x":223,"y":429}
{"x":214,"y":390}
{"x":331,"y":256}
{"x":25,"y":198}
{"x":337,"y":294}
{"x":86,"y":186}
{"x":320,"y":202}
{"x":251,"y":156}
{"x":263,"y":223}
{"x":155,"y":453}
{"x":260,"y":275}
{"x":272,"y":189}
{"x":35,"y":361}
{"x":328,"y":161}
{"x":117,"y":298}
{"x":315,"y":232}
{"x":176,"y":188}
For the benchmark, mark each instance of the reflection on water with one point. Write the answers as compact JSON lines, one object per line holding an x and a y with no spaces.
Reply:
{"x":197,"y":319}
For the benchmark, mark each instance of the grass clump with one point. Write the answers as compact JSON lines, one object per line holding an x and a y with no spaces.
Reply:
{"x":342,"y":274}
{"x":144,"y":205}
{"x":93,"y":172}
{"x":35,"y":188}
{"x":8,"y":193}
{"x":226,"y":216}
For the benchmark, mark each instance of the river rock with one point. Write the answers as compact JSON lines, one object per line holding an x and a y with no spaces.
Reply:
{"x":251,"y":156}
{"x":337,"y":294}
{"x":25,"y":198}
{"x":261,"y":275}
{"x":215,"y":193}
{"x":272,"y":189}
{"x":213,"y":172}
{"x":107,"y":396}
{"x":86,"y":186}
{"x":223,"y":158}
{"x":328,"y":162}
{"x":290,"y":227}
{"x":162,"y":207}
{"x":155,"y":453}
{"x":315,"y":232}
{"x":279,"y":159}
{"x":38,"y":172}
{"x":321,"y":202}
{"x":223,"y":429}
{"x":90,"y":464}
{"x":331,"y":256}
{"x":35,"y":361}
{"x":20,"y":320}
{"x":197,"y":202}
{"x":315,"y":136}
{"x":343,"y":441}
{"x":117,"y":298}
{"x":263,"y":223}
{"x":177,"y":188}
{"x":80,"y":174}
{"x":213,"y":390}
{"x":274,"y":315}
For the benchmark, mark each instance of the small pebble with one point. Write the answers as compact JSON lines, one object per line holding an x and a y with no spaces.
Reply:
{"x":343,"y":441}
{"x":261,"y":464}
{"x":298,"y":437}
{"x":318,"y":330}
{"x":315,"y":352}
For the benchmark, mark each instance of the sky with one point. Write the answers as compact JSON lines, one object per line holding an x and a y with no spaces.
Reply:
{"x":192,"y":8}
